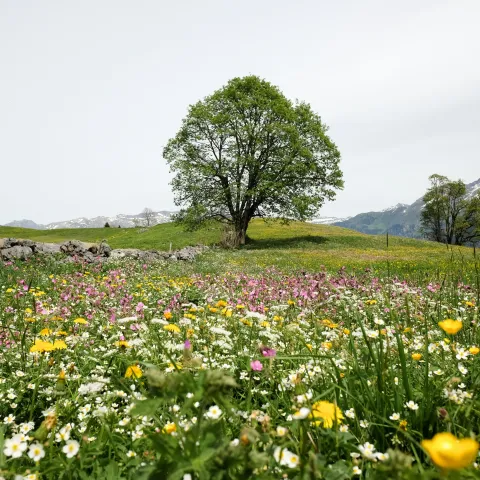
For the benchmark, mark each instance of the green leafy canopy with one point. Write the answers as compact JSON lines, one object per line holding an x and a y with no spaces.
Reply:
{"x":248,"y":151}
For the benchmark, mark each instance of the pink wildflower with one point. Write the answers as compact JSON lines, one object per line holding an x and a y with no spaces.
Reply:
{"x":256,"y":366}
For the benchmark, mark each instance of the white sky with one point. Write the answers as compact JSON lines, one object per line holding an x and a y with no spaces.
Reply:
{"x":90,"y":91}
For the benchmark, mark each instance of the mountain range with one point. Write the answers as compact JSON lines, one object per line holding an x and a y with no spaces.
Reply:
{"x":121,"y":220}
{"x":401,"y":219}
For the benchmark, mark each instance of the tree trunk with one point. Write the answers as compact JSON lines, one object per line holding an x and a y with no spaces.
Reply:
{"x":241,"y":230}
{"x":240,"y":236}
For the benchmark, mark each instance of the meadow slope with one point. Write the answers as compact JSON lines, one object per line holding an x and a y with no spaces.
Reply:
{"x":297,"y":246}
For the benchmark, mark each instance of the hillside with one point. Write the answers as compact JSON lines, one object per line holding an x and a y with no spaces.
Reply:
{"x":289,"y":247}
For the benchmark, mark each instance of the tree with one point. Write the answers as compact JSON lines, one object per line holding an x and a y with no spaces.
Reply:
{"x":247,"y":151}
{"x":448,"y":215}
{"x":468,"y":230}
{"x":107,"y":225}
{"x":148,"y":216}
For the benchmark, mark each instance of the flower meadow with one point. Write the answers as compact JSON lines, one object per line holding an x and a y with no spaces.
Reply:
{"x":123,"y":370}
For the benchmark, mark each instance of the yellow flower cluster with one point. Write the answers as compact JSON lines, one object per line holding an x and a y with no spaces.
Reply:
{"x":42,"y":346}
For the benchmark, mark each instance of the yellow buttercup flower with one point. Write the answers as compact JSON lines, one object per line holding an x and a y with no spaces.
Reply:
{"x":451,"y":326}
{"x":169,"y":428}
{"x":450,"y":453}
{"x":167,"y":315}
{"x":474,"y":350}
{"x":133,"y":371}
{"x":326,"y":413}
{"x":416,"y":356}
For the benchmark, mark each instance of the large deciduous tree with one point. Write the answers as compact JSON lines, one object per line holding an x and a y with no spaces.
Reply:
{"x":448,"y":215}
{"x":248,"y":151}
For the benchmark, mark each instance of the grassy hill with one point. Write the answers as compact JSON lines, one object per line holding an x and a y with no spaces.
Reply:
{"x":297,"y":246}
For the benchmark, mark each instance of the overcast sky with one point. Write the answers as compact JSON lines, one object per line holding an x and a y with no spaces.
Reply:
{"x":91,"y":90}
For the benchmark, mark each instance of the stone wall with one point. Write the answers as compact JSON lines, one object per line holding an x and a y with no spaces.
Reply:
{"x":74,"y":250}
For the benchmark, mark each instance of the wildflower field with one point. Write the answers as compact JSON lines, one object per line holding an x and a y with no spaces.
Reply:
{"x":257,"y":368}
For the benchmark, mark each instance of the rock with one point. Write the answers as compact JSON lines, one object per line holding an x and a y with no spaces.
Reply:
{"x":75,"y":250}
{"x":187,"y":254}
{"x":46,"y":248}
{"x":92,"y":248}
{"x":104,"y":249}
{"x":124,"y":253}
{"x":73,"y":247}
{"x":17,"y":252}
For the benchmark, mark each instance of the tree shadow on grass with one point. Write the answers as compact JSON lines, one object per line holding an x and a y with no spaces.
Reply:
{"x":303,"y":241}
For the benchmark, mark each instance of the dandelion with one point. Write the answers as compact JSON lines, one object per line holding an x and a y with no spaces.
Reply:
{"x":71,"y":448}
{"x":133,"y":371}
{"x":326,"y":414}
{"x":172,"y":328}
{"x":59,"y":345}
{"x":80,"y":321}
{"x":41,"y":346}
{"x":450,"y":453}
{"x":451,"y":326}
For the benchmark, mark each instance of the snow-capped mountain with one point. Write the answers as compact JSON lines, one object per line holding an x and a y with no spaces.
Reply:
{"x":328,"y":220}
{"x":121,"y":220}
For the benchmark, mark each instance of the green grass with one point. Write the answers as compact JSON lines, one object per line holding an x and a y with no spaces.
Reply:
{"x":295,"y":246}
{"x":158,"y":237}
